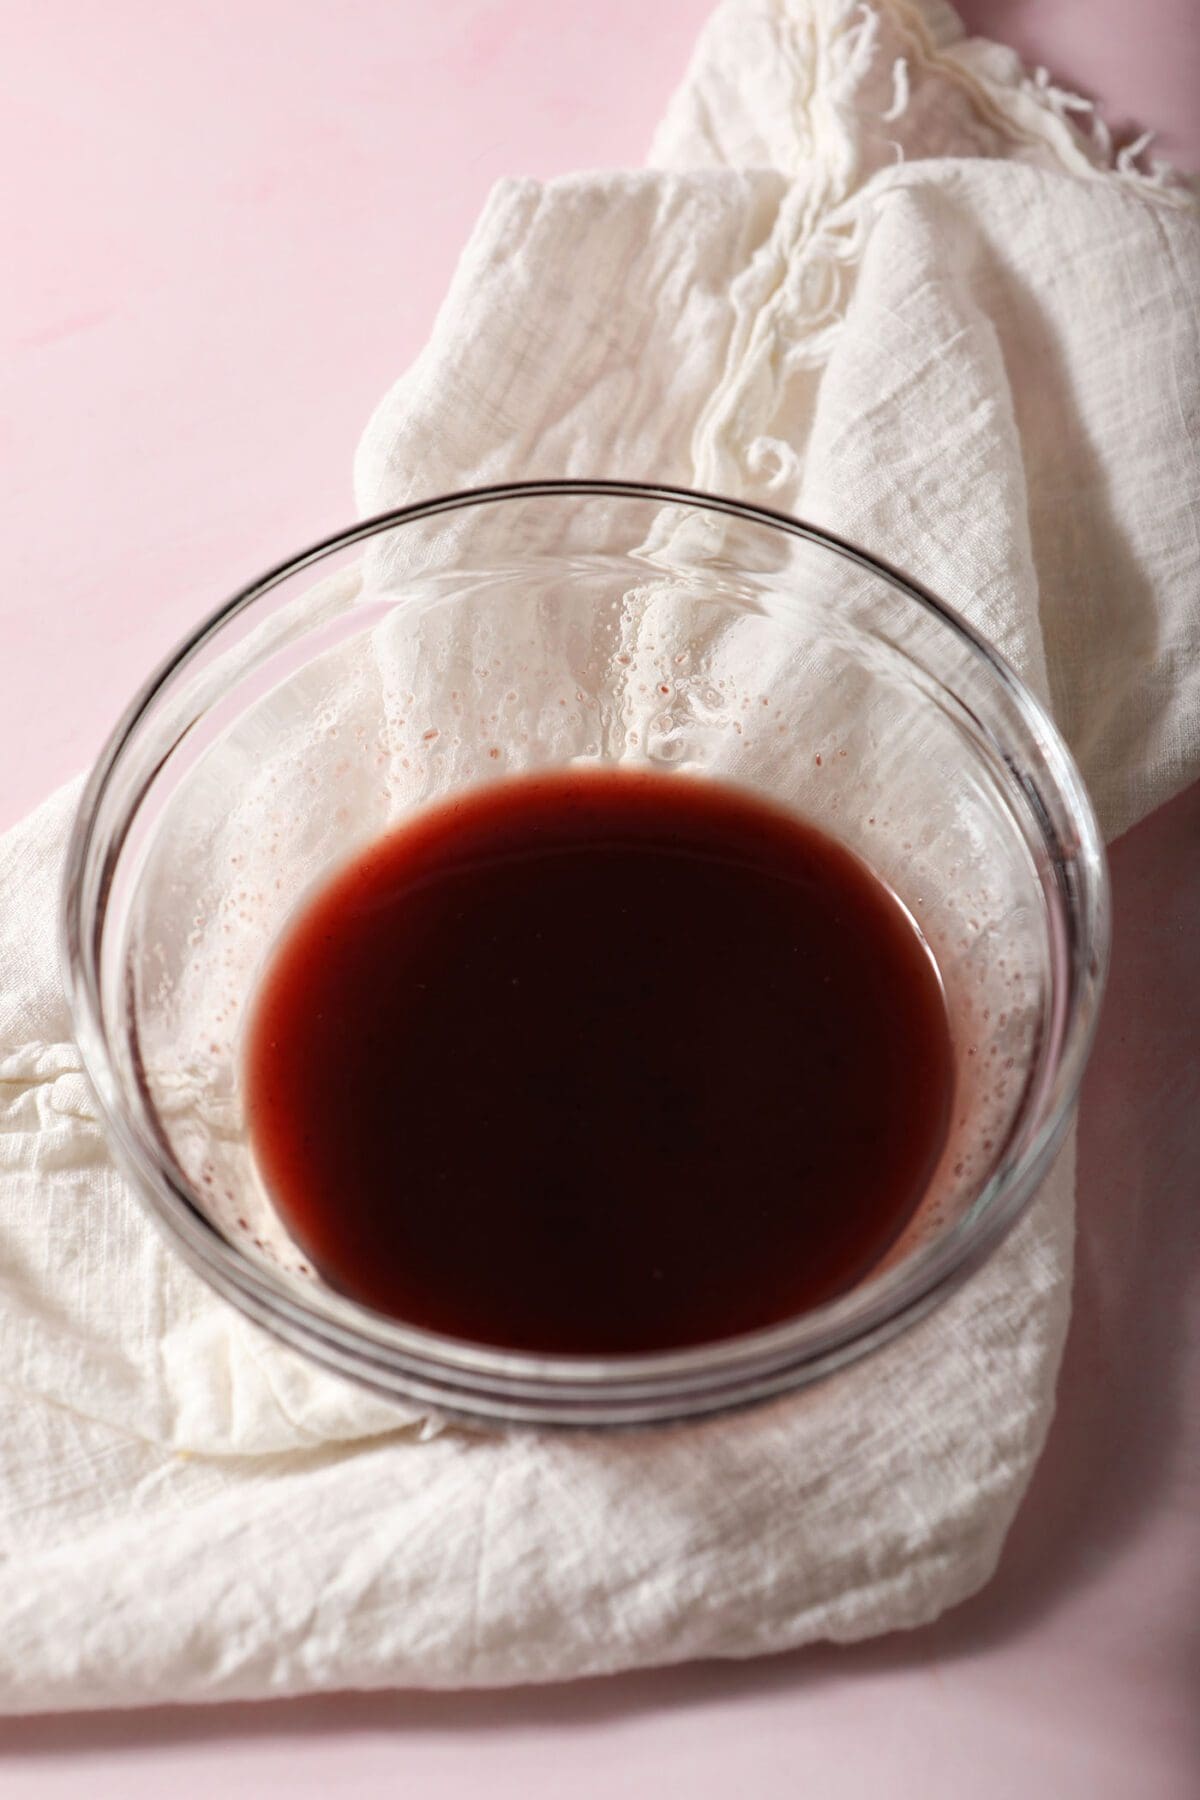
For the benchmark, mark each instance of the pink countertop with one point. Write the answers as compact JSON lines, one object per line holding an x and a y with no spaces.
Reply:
{"x":228,"y":229}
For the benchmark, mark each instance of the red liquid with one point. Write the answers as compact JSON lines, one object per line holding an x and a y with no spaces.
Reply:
{"x":599,"y":1062}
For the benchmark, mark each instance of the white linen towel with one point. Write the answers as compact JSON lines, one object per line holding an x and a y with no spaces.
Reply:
{"x":876,"y":276}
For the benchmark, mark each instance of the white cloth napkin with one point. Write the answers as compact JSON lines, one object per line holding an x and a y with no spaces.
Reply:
{"x":876,"y":276}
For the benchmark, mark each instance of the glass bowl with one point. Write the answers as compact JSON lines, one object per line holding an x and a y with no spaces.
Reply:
{"x":518,"y":628}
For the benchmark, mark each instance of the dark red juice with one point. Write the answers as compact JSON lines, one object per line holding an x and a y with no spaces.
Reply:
{"x":595,"y":1062}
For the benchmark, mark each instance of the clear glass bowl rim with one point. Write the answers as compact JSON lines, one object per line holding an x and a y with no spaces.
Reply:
{"x":481,"y":1381}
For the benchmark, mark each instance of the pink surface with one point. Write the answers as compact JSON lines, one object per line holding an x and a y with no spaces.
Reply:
{"x":224,"y":242}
